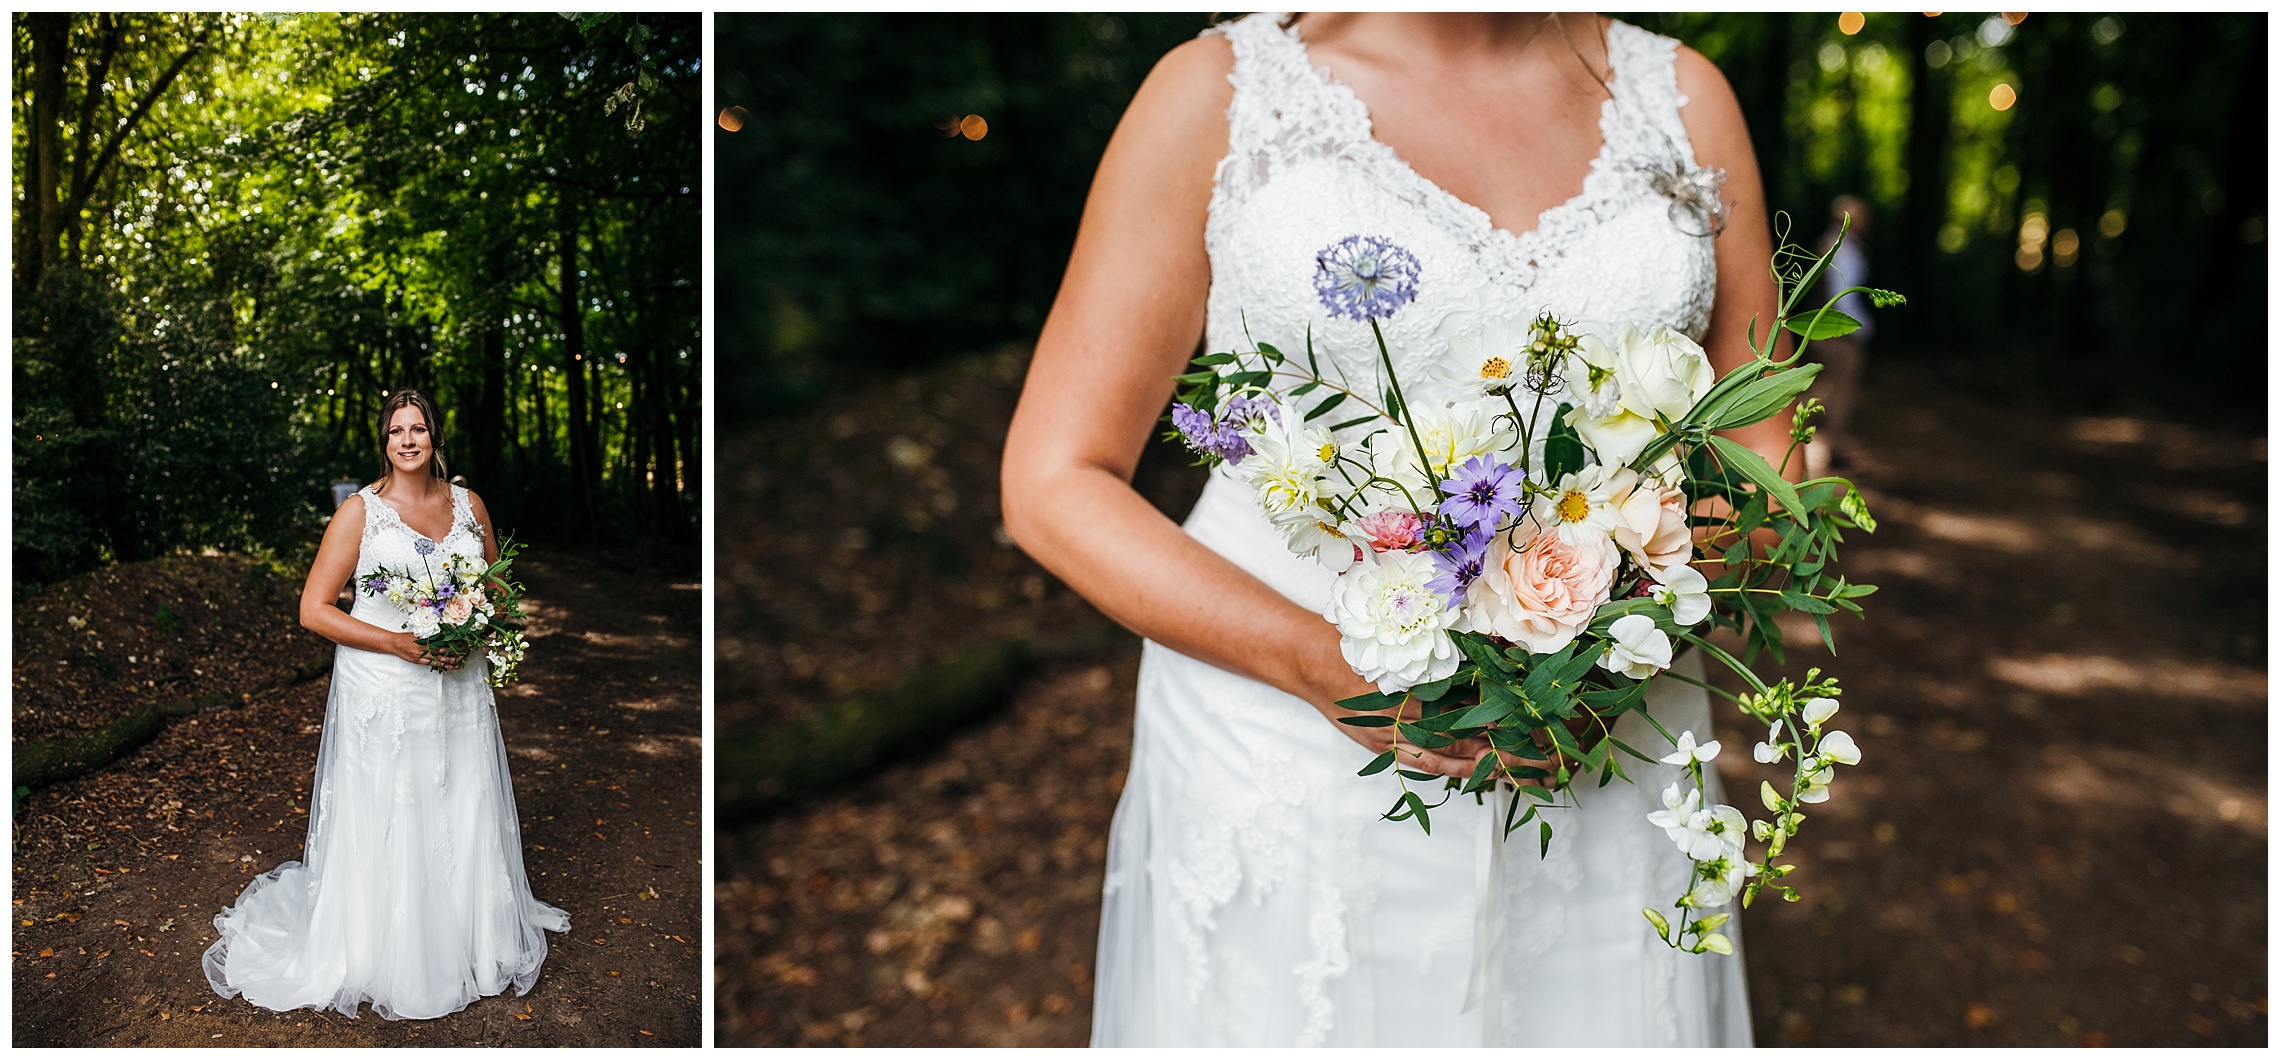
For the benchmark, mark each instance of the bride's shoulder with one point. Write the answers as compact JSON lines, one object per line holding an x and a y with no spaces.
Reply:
{"x":1711,"y":112}
{"x":1175,"y":129}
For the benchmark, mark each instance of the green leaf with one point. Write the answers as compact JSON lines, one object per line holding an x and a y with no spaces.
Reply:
{"x":1544,"y":843}
{"x":1483,"y":774}
{"x":1378,"y":764}
{"x":1415,"y":775}
{"x":1331,"y":402}
{"x":1563,"y":448}
{"x":1373,"y":701}
{"x":1821,"y":324}
{"x":1211,"y":359}
{"x":1764,"y":397}
{"x":1753,"y":467}
{"x":1433,"y":690}
{"x":1366,"y":721}
{"x":1486,"y":712}
{"x":1797,"y":601}
{"x":1356,"y":422}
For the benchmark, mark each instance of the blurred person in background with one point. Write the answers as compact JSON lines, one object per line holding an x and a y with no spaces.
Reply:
{"x":1842,"y":358}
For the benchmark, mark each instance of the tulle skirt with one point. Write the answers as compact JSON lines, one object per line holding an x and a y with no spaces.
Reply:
{"x":412,"y":896}
{"x":1253,"y":896}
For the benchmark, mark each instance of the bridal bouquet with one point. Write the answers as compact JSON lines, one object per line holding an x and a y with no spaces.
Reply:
{"x":1518,"y":563}
{"x":457,"y":606}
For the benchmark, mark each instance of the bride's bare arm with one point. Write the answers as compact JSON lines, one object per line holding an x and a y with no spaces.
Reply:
{"x":1128,"y":317}
{"x":1713,"y":119}
{"x":334,"y":566}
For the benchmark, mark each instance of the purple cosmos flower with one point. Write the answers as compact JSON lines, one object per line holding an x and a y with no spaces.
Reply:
{"x":1481,"y":490}
{"x":1460,"y":562}
{"x":423,"y":546}
{"x":1365,"y":277}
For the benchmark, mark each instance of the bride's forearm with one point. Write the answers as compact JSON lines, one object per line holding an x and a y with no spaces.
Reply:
{"x":330,"y":622}
{"x":1094,"y":532}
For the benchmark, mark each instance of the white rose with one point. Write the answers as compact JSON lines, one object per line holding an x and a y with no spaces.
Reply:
{"x":1662,"y":373}
{"x":1392,"y":628}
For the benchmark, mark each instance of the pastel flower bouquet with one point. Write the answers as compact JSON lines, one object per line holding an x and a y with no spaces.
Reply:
{"x":457,"y":607}
{"x":1517,"y":563}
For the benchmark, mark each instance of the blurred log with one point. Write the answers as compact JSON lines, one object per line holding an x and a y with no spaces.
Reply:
{"x":760,"y":768}
{"x":39,"y":762}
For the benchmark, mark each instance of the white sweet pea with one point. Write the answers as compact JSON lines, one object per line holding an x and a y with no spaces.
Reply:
{"x":1678,"y":809}
{"x":1837,"y":746}
{"x":1770,"y":750}
{"x":1686,"y":592}
{"x":1636,"y":648}
{"x":1730,"y":874}
{"x":1392,"y":628}
{"x":1690,"y":752}
{"x":1818,"y":710}
{"x":1816,"y":785}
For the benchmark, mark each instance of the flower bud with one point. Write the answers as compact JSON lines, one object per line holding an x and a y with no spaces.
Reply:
{"x":1770,"y":797}
{"x":1760,"y":830}
{"x":1714,"y":943}
{"x":1662,"y":926}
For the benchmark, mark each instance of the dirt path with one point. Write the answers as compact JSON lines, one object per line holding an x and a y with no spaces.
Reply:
{"x":2057,"y":836}
{"x":119,"y":873}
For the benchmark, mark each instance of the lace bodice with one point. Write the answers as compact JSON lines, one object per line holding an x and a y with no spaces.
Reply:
{"x":390,"y":542}
{"x":1304,"y":170}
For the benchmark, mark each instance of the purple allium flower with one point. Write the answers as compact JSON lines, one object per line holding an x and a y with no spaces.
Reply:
{"x":1365,"y":277}
{"x":1482,"y":489}
{"x":423,"y":546}
{"x":1460,"y":562}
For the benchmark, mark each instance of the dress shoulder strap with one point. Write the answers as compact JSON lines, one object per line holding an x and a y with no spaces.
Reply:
{"x":1283,"y":111}
{"x":1645,"y":86}
{"x":378,"y":514}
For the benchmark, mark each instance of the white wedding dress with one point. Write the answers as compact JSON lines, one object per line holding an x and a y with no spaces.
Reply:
{"x":412,"y":896}
{"x":1253,"y":895}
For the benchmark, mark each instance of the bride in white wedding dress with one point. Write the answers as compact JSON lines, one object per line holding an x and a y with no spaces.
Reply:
{"x":411,"y":894}
{"x":1253,"y":896}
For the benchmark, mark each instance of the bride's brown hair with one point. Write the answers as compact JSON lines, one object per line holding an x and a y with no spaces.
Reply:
{"x":413,"y":397}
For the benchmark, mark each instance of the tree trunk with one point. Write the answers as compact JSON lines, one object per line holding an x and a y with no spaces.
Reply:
{"x":583,"y":473}
{"x":41,"y":220}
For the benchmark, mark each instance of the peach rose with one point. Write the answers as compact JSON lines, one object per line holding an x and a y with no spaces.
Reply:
{"x":1543,"y":594}
{"x":456,"y":610}
{"x":1650,"y":524}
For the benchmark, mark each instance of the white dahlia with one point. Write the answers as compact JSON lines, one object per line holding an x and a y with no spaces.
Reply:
{"x":1393,"y":628}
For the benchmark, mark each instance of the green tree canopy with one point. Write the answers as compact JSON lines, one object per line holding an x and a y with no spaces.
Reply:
{"x":235,"y":234}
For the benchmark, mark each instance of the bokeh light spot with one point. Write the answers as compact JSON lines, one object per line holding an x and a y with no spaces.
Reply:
{"x":1850,"y":22}
{"x":733,"y":118}
{"x":974,"y":127}
{"x":2001,"y":97}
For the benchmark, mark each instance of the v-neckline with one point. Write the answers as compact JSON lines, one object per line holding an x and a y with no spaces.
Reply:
{"x":1480,"y":217}
{"x":414,"y":531}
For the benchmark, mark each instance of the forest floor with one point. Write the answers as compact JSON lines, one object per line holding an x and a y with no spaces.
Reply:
{"x":2057,"y":836}
{"x":118,"y":873}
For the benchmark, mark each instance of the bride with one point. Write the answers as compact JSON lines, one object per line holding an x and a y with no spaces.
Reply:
{"x":413,"y":895}
{"x":1253,"y":897}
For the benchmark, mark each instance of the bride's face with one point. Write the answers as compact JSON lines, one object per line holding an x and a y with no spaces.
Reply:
{"x":408,"y":443}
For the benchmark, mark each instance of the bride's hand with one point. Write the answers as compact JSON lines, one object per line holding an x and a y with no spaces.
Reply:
{"x":1455,"y":760}
{"x":407,"y":647}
